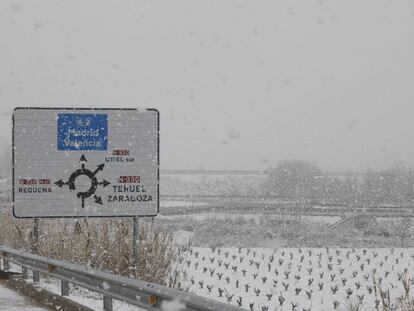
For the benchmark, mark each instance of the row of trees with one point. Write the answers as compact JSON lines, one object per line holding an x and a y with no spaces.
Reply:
{"x":299,"y":180}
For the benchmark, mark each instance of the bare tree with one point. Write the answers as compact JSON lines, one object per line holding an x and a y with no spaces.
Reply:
{"x":402,"y":229}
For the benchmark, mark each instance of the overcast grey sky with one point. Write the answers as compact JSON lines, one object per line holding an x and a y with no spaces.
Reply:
{"x":239,"y":84}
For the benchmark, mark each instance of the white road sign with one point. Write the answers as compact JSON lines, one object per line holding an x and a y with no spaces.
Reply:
{"x":76,"y":162}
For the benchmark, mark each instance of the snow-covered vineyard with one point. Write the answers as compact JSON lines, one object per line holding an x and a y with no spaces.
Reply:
{"x":262,"y":279}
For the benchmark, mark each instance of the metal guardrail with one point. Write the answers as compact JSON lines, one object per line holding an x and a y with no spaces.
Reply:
{"x":146,"y":295}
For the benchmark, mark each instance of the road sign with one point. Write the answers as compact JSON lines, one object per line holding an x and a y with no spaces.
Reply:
{"x":78,"y":162}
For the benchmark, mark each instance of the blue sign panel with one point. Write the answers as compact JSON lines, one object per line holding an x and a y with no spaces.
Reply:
{"x":82,"y":132}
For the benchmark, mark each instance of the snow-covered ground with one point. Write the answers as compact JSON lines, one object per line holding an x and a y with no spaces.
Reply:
{"x":164,"y":204}
{"x":256,"y":217}
{"x":12,"y":301}
{"x":78,"y":294}
{"x":298,"y":279}
{"x":85,"y":297}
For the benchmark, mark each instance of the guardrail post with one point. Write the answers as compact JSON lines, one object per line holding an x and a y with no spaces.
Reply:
{"x":25,"y":274}
{"x":36,"y":277}
{"x":107,"y":303}
{"x":6,"y":265}
{"x":64,"y":288}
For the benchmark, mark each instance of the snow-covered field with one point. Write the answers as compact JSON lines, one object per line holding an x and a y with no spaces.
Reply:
{"x":265,"y":279}
{"x":320,"y":279}
{"x":166,"y":204}
{"x":256,"y":217}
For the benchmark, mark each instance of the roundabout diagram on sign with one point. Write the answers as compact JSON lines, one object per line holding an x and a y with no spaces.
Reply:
{"x":85,"y":174}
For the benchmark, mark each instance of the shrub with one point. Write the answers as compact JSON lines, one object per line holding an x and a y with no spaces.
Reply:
{"x":101,"y":244}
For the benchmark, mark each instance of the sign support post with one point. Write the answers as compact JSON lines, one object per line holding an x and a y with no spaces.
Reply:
{"x":135,"y":242}
{"x":35,"y":247}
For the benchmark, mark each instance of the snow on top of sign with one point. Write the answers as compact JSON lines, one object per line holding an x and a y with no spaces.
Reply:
{"x":141,"y":109}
